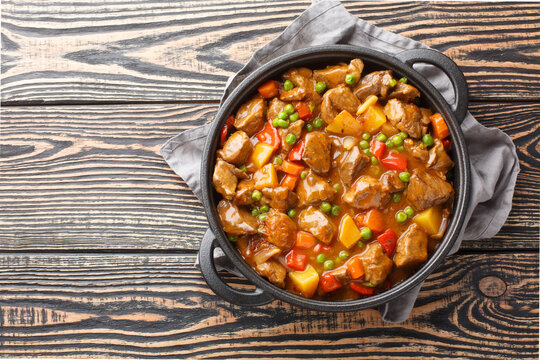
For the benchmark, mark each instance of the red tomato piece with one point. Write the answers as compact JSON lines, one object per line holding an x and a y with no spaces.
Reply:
{"x":329,"y":283}
{"x":388,"y":240}
{"x":395,"y":161}
{"x":296,"y":260}
{"x":378,"y":148}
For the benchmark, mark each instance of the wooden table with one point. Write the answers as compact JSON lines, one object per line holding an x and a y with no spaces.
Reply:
{"x":99,"y":236}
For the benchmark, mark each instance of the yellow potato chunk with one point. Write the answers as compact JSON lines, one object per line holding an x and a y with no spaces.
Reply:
{"x":374,"y":118}
{"x":265,"y":177}
{"x":430,"y":219}
{"x":345,"y":124}
{"x":305,"y":281}
{"x":348,"y":232}
{"x":261,"y":154}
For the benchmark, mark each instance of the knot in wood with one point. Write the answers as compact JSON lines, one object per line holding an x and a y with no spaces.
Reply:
{"x":492,"y":286}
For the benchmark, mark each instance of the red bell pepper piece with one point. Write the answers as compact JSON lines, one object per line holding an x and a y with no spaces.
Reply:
{"x":388,"y":240}
{"x":297,"y":151}
{"x":225,"y":131}
{"x":446,"y":144}
{"x":387,"y":284}
{"x":378,"y":148}
{"x":395,"y":161}
{"x":319,"y":247}
{"x":361,"y":289}
{"x":303,"y":110}
{"x":329,"y":283}
{"x":270,"y":135}
{"x":296,"y":260}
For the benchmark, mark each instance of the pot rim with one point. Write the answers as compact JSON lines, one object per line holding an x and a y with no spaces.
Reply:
{"x":273,"y":69}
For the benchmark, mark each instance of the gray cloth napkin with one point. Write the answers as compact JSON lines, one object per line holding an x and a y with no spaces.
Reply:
{"x":494,"y":162}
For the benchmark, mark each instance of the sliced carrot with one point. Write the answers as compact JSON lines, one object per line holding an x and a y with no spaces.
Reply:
{"x":355,"y":267}
{"x":289,"y":181}
{"x":292,"y":168}
{"x":268,"y":89}
{"x":374,"y":219}
{"x":305,"y":240}
{"x":440,"y":129}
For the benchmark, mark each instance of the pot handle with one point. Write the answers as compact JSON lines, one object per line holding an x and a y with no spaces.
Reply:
{"x":210,"y":274}
{"x":443,"y":62}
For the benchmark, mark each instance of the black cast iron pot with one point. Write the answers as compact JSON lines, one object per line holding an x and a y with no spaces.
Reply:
{"x":320,"y":57}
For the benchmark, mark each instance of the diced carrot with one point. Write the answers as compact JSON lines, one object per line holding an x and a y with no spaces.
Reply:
{"x":355,"y":267}
{"x":289,"y":181}
{"x":268,"y":89}
{"x":303,"y":110}
{"x":440,"y":129}
{"x":305,"y":240}
{"x":374,"y":219}
{"x":292,"y":168}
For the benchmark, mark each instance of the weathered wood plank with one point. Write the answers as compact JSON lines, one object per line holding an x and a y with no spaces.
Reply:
{"x":91,"y":177}
{"x":148,"y":51}
{"x":132,"y":306}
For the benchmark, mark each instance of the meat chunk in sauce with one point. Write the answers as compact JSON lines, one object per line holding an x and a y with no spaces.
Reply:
{"x":224,"y":179}
{"x":404,"y":92}
{"x":438,"y":158}
{"x":273,"y":271}
{"x":366,"y":193}
{"x":274,"y":108}
{"x":317,"y":223}
{"x":260,"y":250}
{"x":416,"y":149}
{"x":334,"y":75}
{"x":316,"y":154}
{"x":336,"y":100}
{"x":406,"y":117}
{"x":251,"y":115}
{"x":303,"y":77}
{"x":378,"y":83}
{"x":236,"y":221}
{"x":279,"y":198}
{"x":391,"y":182}
{"x":411,"y":249}
{"x":294,"y":128}
{"x":313,"y":190}
{"x":237,"y":148}
{"x":377,"y":265}
{"x":296,"y":94}
{"x":352,"y":164}
{"x":280,"y":230}
{"x":426,"y":190}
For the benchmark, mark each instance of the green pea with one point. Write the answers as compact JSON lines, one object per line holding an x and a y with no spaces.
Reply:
{"x":283,"y":123}
{"x":283,"y":115}
{"x":321,"y":258}
{"x":289,"y":109}
{"x":367,"y":152}
{"x":403,"y":135}
{"x":366,"y":136}
{"x":397,"y":140}
{"x":409,"y":211}
{"x":328,"y":265}
{"x":243,"y":168}
{"x":233,"y":238}
{"x":293,"y":117}
{"x":263,"y":217}
{"x":337,"y":187}
{"x":389,"y":144}
{"x":336,"y":210}
{"x":364,"y":144}
{"x":350,"y":79}
{"x":303,"y":174}
{"x":255,"y":212}
{"x":381,"y":137}
{"x":401,"y":217}
{"x":320,"y":87}
{"x":309,"y":127}
{"x":264,"y":209}
{"x":360,"y":244}
{"x":393,"y":82}
{"x":428,"y":140}
{"x":374,"y":160}
{"x":403,"y":80}
{"x":400,"y":148}
{"x":275,"y":122}
{"x":405,"y":176}
{"x":317,"y":123}
{"x":291,"y":213}
{"x":366,"y":233}
{"x":368,"y":284}
{"x":277,"y":160}
{"x":343,"y":255}
{"x":311,"y":107}
{"x":256,"y":195}
{"x":290,"y":139}
{"x":288,"y":85}
{"x":326,"y":207}
{"x":396,"y":197}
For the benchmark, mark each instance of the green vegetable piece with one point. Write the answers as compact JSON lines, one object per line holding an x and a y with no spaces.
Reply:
{"x":396,"y":197}
{"x":291,"y":213}
{"x":293,"y":117}
{"x":290,"y":139}
{"x":288,"y":85}
{"x":350,"y":79}
{"x":326,"y":207}
{"x":337,"y":187}
{"x":400,"y":148}
{"x":403,"y":80}
{"x":403,"y":135}
{"x":318,"y":123}
{"x":427,"y":140}
{"x":320,"y":87}
{"x":393,"y":82}
{"x":255,"y":212}
{"x":366,"y":136}
{"x":264,"y":209}
{"x":309,"y":127}
{"x":401,"y":217}
{"x":397,"y":140}
{"x":289,"y":109}
{"x":336,"y":210}
{"x":311,"y":107}
{"x":405,"y":176}
{"x":283,"y":123}
{"x":374,"y":160}
{"x":243,"y":168}
{"x":366,"y":233}
{"x":233,"y":238}
{"x":409,"y":211}
{"x":343,"y":255}
{"x":256,"y":195}
{"x":263,"y":217}
{"x":364,"y":144}
{"x":381,"y":137}
{"x":303,"y":174}
{"x":328,"y":265}
{"x":389,"y":144}
{"x":275,"y":122}
{"x":283,"y":115}
{"x":321,"y":258}
{"x":367,"y":152}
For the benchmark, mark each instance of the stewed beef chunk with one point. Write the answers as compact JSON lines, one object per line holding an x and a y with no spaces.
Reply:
{"x":438,"y":158}
{"x":366,"y":193}
{"x":280,"y":198}
{"x":236,"y":221}
{"x":391,"y":182}
{"x":411,"y":249}
{"x":336,"y":100}
{"x":280,"y":230}
{"x":377,"y":265}
{"x":294,"y":128}
{"x":317,"y":223}
{"x":352,"y":164}
{"x":273,"y":271}
{"x":378,"y":83}
{"x":416,"y":149}
{"x":313,"y":190}
{"x":224,"y":179}
{"x":406,"y":117}
{"x":237,"y":148}
{"x":404,"y":92}
{"x":251,"y":116}
{"x":426,"y":190}
{"x":296,"y":94}
{"x":335,"y":75}
{"x":317,"y":152}
{"x":274,"y":108}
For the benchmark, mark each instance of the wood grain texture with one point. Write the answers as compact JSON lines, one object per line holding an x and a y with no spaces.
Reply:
{"x":127,"y":306}
{"x":91,"y":178}
{"x":155,"y":51}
